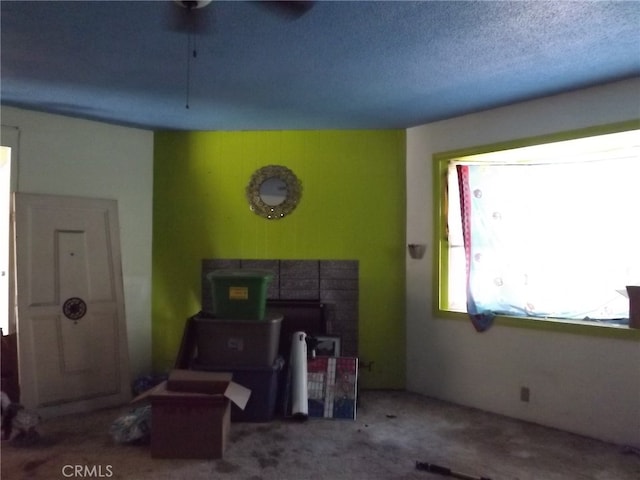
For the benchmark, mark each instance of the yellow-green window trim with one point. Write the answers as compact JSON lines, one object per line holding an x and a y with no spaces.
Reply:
{"x":440,"y":162}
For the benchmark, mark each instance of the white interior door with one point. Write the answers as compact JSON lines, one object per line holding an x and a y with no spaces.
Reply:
{"x":72,"y":343}
{"x":9,"y":138}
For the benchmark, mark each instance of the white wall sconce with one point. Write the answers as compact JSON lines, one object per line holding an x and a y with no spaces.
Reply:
{"x":416,"y":250}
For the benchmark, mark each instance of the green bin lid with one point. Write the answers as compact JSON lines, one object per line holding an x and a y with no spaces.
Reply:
{"x":232,"y":273}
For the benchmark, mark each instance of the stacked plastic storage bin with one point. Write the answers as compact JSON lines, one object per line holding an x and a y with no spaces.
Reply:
{"x":241,"y":338}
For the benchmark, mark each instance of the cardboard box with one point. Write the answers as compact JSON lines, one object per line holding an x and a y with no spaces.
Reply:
{"x":194,"y":421}
{"x":263,"y":382}
{"x":193,"y":381}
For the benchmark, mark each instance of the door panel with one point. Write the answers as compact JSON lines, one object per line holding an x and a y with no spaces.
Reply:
{"x":71,"y":323}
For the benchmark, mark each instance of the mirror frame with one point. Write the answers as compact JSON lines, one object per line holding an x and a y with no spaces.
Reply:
{"x":273,"y":212}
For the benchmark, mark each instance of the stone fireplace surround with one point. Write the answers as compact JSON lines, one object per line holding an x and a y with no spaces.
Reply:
{"x":332,"y":282}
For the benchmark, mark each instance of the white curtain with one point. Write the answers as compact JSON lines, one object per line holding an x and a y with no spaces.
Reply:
{"x":557,"y":239}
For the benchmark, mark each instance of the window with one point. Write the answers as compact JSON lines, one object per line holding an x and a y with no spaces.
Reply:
{"x":544,"y":229}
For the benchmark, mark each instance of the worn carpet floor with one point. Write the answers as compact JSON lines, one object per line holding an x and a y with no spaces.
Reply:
{"x":393,"y":431}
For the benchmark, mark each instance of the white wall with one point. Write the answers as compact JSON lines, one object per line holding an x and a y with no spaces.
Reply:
{"x":65,"y":156}
{"x":582,"y":384}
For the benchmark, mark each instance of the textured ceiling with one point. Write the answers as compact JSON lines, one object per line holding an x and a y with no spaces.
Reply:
{"x":341,"y":65}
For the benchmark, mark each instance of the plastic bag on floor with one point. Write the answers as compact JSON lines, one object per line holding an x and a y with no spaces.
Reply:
{"x":132,"y":427}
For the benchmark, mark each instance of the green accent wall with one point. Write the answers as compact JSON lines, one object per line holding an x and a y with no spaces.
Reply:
{"x":353,"y":207}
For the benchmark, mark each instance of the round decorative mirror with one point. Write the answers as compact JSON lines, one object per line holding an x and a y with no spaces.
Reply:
{"x":273,"y":192}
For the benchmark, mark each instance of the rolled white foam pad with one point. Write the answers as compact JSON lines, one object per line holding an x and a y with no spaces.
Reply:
{"x":299,"y":394}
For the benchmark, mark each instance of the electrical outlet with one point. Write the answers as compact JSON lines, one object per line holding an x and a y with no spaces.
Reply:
{"x":524,"y":394}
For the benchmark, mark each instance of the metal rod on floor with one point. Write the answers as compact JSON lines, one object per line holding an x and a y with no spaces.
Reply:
{"x":432,"y":468}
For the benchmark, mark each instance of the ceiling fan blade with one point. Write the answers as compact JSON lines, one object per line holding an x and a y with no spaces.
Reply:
{"x":189,"y":16}
{"x":288,"y":9}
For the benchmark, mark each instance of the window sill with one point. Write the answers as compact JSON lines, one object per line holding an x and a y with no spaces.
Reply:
{"x":555,"y":325}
